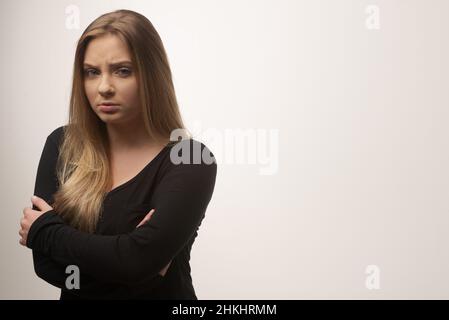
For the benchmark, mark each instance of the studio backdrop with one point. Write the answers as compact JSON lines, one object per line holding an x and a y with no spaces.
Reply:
{"x":328,"y":120}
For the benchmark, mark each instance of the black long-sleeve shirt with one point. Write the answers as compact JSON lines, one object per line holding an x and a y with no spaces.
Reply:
{"x":118,"y":260}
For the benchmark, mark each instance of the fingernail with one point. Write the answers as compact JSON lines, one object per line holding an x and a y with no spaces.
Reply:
{"x":33,"y":197}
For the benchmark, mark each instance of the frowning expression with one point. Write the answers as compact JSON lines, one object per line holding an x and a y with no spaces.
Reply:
{"x":110,"y":80}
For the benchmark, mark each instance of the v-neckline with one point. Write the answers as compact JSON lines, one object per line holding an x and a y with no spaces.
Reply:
{"x":138,"y":174}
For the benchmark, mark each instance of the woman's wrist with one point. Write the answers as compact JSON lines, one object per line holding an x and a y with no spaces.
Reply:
{"x":48,"y":217}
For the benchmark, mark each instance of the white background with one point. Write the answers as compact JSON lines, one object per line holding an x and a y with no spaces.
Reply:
{"x":362,"y":116}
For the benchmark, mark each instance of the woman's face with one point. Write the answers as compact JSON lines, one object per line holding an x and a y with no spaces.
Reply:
{"x":109,"y":77}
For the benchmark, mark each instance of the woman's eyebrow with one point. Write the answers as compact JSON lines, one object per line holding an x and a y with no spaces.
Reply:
{"x":111,"y":65}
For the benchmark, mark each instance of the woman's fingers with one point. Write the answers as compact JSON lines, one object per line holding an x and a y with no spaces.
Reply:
{"x":146,"y":218}
{"x":23,"y":236}
{"x":29,"y":216}
{"x":164,"y":271}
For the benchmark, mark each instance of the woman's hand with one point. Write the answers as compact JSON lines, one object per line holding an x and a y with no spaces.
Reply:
{"x":145,"y":219}
{"x":30,"y":215}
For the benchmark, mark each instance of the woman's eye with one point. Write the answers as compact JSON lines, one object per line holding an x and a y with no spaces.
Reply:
{"x":124,"y":71}
{"x":87,"y":72}
{"x":121,"y":71}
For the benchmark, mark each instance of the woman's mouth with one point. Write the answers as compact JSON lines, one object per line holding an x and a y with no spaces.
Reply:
{"x":108,"y":108}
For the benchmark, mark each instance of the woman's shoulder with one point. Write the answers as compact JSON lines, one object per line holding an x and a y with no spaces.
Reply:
{"x":190,"y":151}
{"x":57,"y":134}
{"x":191,"y":164}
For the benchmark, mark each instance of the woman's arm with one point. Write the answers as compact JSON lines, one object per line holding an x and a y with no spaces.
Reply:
{"x":45,"y":267}
{"x":45,"y":187}
{"x":180,"y":201}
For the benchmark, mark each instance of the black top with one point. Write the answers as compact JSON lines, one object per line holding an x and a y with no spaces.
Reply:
{"x":120,"y":261}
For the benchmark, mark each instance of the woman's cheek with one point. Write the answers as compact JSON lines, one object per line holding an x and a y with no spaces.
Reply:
{"x":89,"y":94}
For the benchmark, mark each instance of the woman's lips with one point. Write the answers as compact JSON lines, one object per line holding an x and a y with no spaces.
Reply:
{"x":108,"y":108}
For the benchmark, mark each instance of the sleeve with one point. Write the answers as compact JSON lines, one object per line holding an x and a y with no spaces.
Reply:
{"x":180,"y":200}
{"x":45,"y":267}
{"x":45,"y":187}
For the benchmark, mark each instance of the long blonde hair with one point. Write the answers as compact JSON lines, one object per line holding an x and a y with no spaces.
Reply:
{"x":83,"y":167}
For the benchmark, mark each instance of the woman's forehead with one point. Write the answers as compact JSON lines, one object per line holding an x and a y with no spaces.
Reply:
{"x":110,"y":49}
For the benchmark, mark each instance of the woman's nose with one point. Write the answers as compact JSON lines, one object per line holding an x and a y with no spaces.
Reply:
{"x":105,"y":86}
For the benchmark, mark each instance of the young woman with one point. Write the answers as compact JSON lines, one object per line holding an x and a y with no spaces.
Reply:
{"x":114,"y":201}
